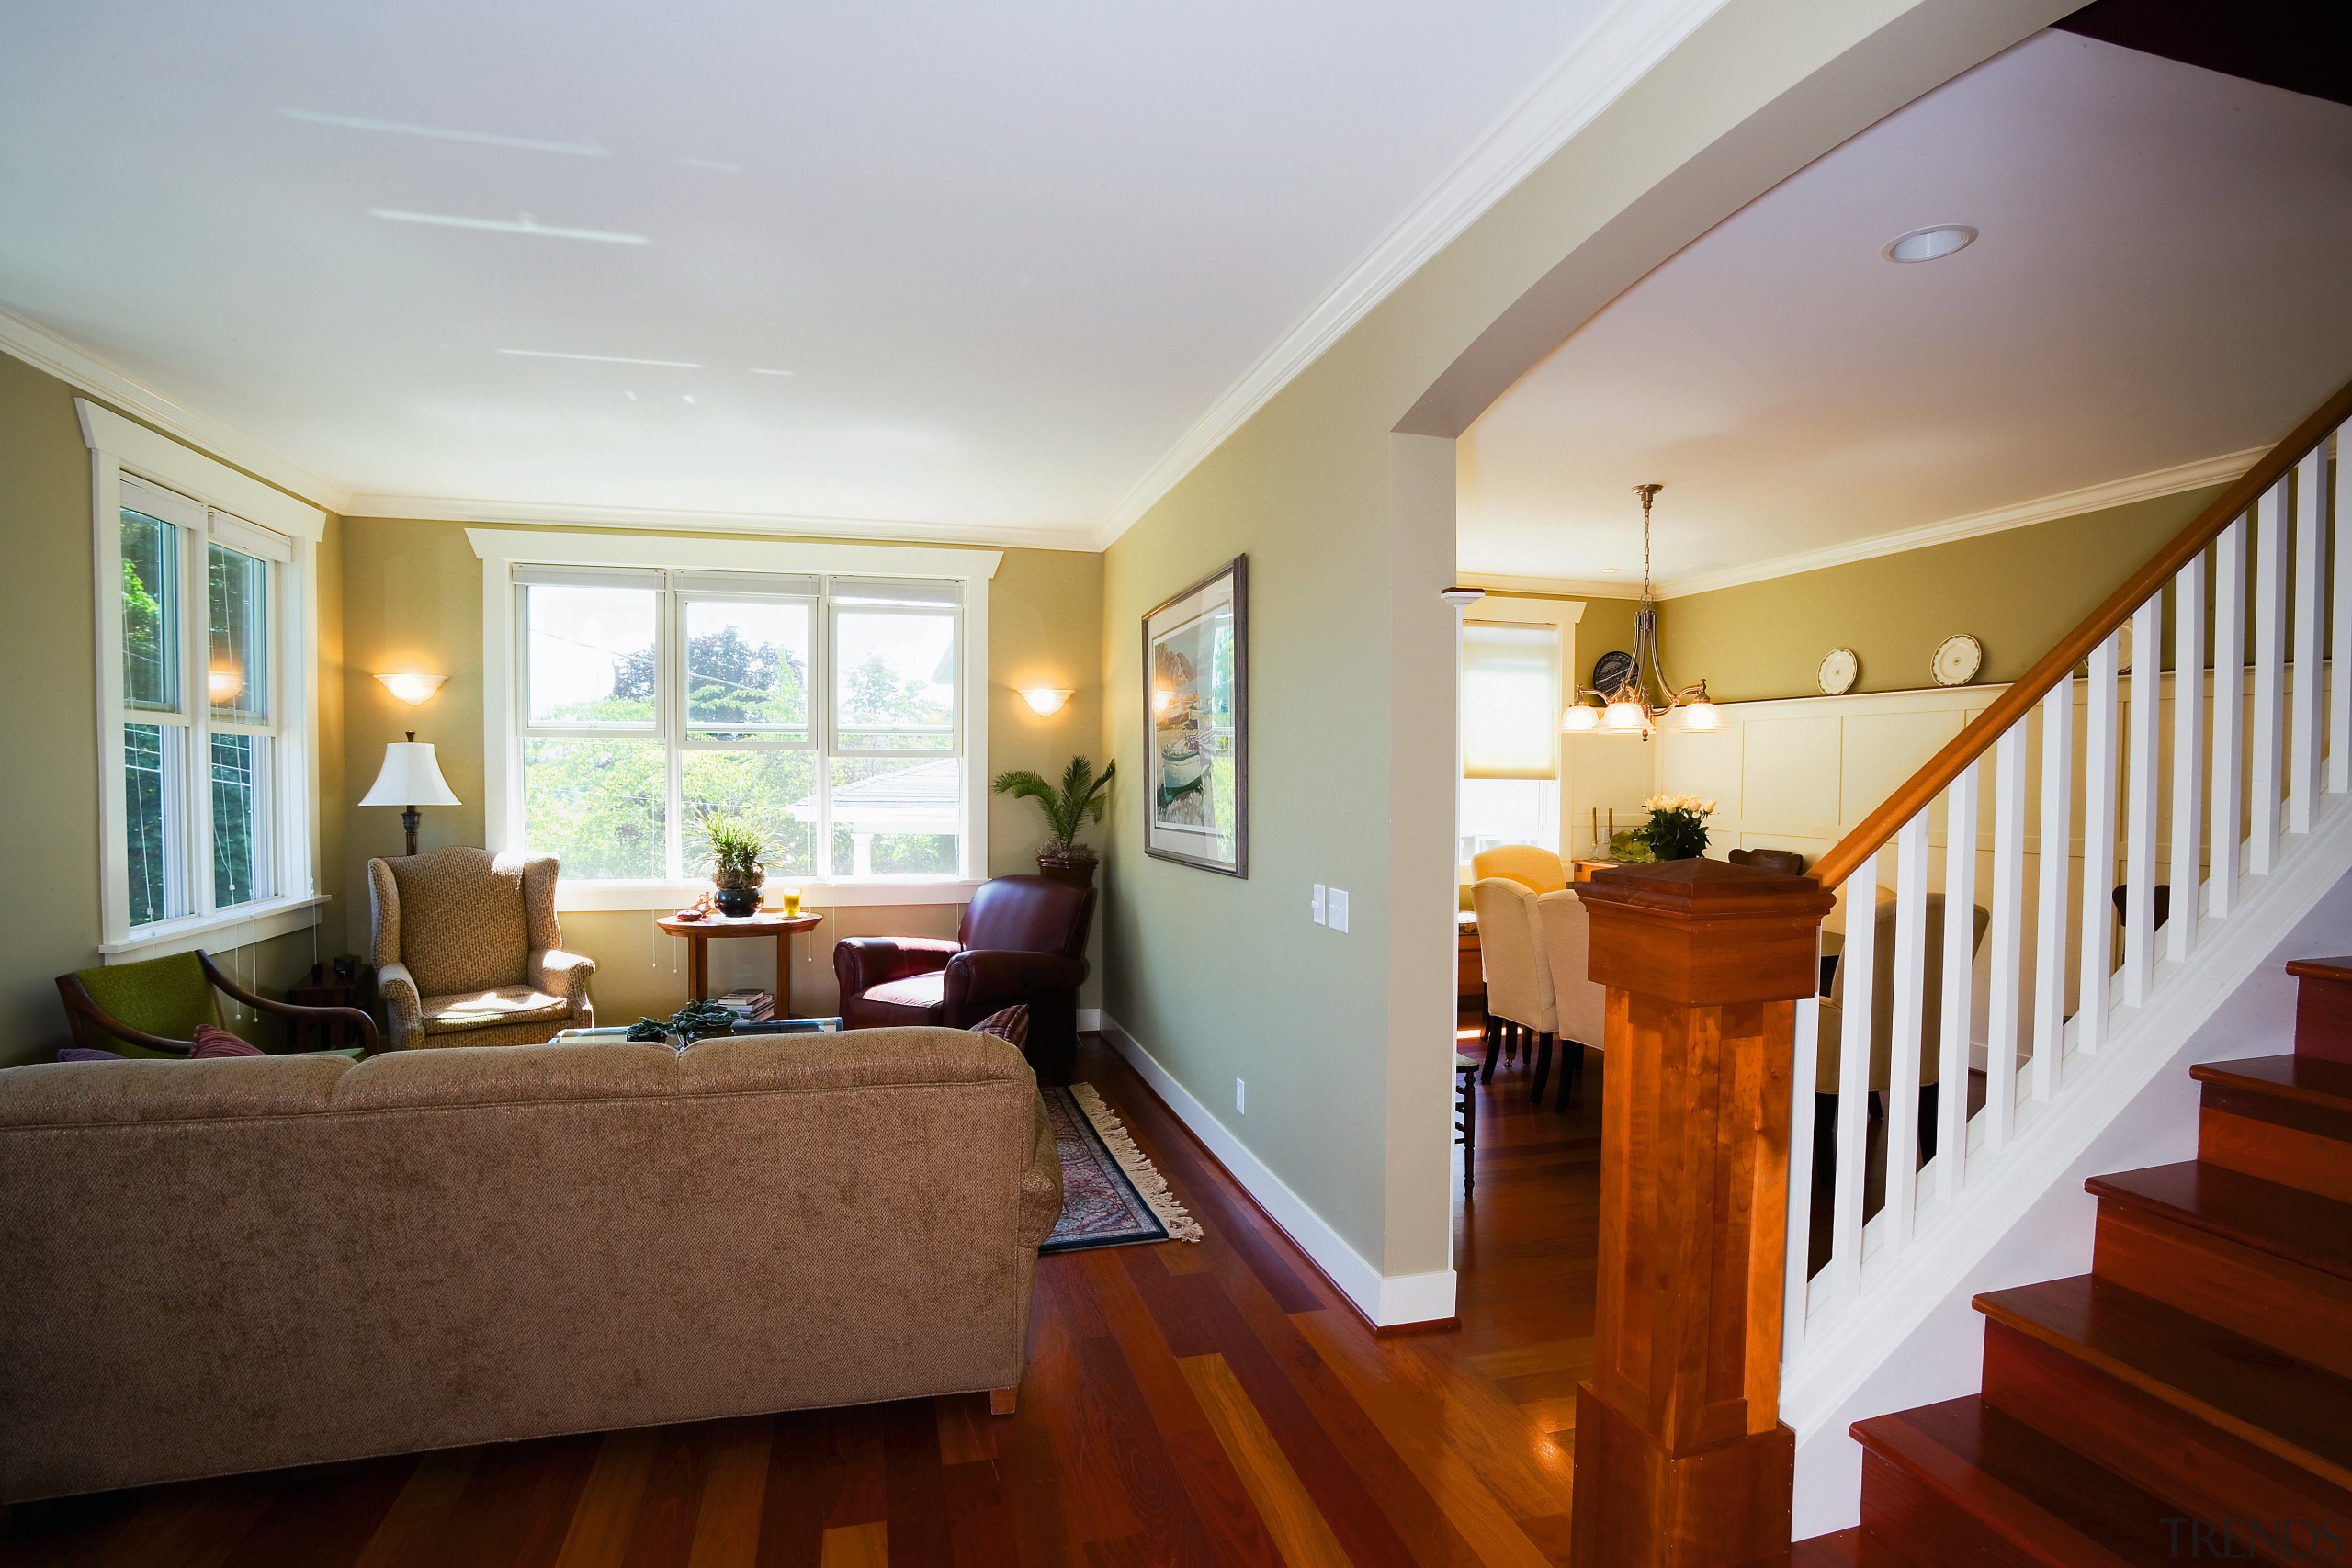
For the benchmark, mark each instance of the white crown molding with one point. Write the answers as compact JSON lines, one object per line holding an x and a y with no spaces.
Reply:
{"x":1548,"y":587}
{"x":445,"y":509}
{"x":1612,"y":55}
{"x":85,"y":371}
{"x":2021,"y":514}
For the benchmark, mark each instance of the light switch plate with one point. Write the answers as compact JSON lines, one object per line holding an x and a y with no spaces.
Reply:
{"x":1337,"y":906}
{"x":1317,"y":906}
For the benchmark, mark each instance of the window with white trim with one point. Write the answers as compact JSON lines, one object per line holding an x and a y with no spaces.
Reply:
{"x":827,"y":711}
{"x":213,"y":820}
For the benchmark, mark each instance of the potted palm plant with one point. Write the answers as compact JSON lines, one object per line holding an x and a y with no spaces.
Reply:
{"x":735,"y":870}
{"x":1078,"y":799}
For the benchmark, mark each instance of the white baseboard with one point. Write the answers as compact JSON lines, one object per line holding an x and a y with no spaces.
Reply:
{"x":1388,"y":1300}
{"x":1090,"y":1021}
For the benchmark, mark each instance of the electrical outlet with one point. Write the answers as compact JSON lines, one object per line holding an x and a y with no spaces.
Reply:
{"x":1317,"y":906}
{"x":1336,"y":908}
{"x":1240,"y":1094}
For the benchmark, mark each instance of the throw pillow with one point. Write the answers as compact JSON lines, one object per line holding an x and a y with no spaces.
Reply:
{"x":211,"y":1040}
{"x":86,"y":1053}
{"x":1010,"y":1025}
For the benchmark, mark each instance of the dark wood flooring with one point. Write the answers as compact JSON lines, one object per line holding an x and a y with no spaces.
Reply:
{"x":1184,"y":1404}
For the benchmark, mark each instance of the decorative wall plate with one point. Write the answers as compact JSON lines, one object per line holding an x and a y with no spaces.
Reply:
{"x":1609,"y":671}
{"x":1958,"y":658}
{"x":1839,"y":669}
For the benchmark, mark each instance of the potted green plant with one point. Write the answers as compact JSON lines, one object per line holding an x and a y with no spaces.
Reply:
{"x":1076,"y":800}
{"x":1678,"y":826}
{"x":735,"y":870}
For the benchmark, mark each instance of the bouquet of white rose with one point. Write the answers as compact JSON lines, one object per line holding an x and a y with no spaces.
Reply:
{"x":1678,"y":826}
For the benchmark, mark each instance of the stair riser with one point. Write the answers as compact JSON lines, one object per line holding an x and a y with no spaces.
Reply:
{"x":2173,"y":1453}
{"x":1924,"y":1528}
{"x":2277,"y":1302}
{"x":2305,"y":1146}
{"x":2323,"y":1018}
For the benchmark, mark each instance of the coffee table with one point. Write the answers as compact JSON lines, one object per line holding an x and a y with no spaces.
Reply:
{"x":698,"y":935}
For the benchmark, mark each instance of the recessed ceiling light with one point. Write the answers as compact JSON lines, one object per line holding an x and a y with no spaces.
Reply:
{"x":523,"y":223}
{"x":1929,"y":244}
{"x":601,"y":358}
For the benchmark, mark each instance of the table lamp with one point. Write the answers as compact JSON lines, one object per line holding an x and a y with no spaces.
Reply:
{"x":411,"y":778}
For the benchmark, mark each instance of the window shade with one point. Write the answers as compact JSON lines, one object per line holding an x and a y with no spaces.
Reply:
{"x":1511,"y":701}
{"x":749,"y":584}
{"x":533,"y":574}
{"x":896,"y":590}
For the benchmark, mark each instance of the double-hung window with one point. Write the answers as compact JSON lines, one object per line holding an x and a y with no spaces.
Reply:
{"x":826,"y":711}
{"x":202,"y":739}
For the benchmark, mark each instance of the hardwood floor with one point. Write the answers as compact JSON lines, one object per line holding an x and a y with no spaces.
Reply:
{"x":1212,"y":1402}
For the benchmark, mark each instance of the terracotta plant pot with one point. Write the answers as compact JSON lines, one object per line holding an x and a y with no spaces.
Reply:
{"x":737,"y":901}
{"x":1073,"y":865}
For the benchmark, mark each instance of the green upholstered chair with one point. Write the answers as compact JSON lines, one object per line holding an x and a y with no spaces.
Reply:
{"x":154,"y":1008}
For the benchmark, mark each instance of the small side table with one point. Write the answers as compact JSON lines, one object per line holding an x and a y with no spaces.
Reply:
{"x":699,"y":934}
{"x":321,"y":994}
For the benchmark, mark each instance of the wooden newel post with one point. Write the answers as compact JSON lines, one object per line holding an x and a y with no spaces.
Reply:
{"x":1681,"y":1459}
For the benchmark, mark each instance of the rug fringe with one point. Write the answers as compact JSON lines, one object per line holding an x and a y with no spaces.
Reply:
{"x":1145,"y":1176}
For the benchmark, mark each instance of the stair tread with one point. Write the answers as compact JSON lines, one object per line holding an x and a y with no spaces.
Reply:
{"x":2030,"y":1489}
{"x":2286,"y":1222}
{"x":2311,"y":1080}
{"x":2297,"y":1411}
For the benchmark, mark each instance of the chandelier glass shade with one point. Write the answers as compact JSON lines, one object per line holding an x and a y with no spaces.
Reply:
{"x":1636,"y":705}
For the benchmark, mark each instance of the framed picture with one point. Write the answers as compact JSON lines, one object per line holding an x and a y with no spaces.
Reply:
{"x":1196,"y":717}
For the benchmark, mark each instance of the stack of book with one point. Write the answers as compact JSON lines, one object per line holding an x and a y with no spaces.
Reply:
{"x":749,"y":1006}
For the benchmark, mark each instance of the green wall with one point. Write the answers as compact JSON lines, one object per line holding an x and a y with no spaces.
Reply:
{"x":2017,"y":592}
{"x":49,"y":918}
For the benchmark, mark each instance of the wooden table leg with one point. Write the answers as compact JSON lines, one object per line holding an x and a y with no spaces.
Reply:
{"x":697,"y":967}
{"x":784,"y":973}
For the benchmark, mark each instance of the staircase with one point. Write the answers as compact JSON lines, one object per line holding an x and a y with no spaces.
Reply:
{"x":2190,"y":1398}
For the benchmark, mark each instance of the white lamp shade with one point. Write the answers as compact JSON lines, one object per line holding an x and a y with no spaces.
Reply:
{"x":411,"y":777}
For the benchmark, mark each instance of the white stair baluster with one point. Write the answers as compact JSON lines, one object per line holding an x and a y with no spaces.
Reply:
{"x":2229,"y":721}
{"x":2268,"y":728}
{"x":2139,"y":811}
{"x":2098,"y":851}
{"x":2007,"y":936}
{"x":1960,"y":964}
{"x":2188,"y":751}
{"x":1909,"y":1029}
{"x":2311,"y":614}
{"x":1797,"y":1284}
{"x":2339,"y":692}
{"x":2051,"y":925}
{"x":1857,"y":969}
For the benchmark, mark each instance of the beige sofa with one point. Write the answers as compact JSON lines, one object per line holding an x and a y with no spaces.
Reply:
{"x":240,"y":1264}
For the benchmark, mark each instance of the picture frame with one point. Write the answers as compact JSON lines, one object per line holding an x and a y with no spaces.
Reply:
{"x":1196,"y":723}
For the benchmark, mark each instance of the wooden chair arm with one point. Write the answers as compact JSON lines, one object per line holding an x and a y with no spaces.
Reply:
{"x":352,"y":1016}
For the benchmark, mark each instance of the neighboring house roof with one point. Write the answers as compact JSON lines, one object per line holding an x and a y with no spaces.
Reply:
{"x":927,"y":794}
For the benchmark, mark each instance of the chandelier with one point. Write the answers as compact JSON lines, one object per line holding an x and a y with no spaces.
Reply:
{"x":1625,"y":707}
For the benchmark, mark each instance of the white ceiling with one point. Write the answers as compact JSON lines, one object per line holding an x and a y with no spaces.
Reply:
{"x":1009,"y":253}
{"x":2161,"y":279}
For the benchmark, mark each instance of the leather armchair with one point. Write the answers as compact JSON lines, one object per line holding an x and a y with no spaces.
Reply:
{"x":1021,"y":940}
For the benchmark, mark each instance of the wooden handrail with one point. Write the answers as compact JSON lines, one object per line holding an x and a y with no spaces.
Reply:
{"x":1873,"y":832}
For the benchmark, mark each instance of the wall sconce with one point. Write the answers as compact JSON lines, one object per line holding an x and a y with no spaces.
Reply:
{"x":223,"y":685}
{"x":1046,"y":701}
{"x":413,"y":689}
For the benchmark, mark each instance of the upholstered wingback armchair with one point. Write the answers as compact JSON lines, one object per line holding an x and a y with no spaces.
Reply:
{"x":1579,"y":1003}
{"x":1022,"y":938}
{"x":1521,"y":1008}
{"x":467,"y":951}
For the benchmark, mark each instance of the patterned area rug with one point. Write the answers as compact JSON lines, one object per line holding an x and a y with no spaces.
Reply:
{"x":1112,"y":1195}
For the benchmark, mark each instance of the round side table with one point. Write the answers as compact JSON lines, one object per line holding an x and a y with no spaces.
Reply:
{"x":698,"y":935}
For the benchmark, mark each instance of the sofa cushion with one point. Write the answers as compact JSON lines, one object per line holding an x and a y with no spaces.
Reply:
{"x":490,"y":1008}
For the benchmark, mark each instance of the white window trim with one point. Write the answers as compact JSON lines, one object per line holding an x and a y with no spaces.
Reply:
{"x":256,"y":516}
{"x":502,"y":550}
